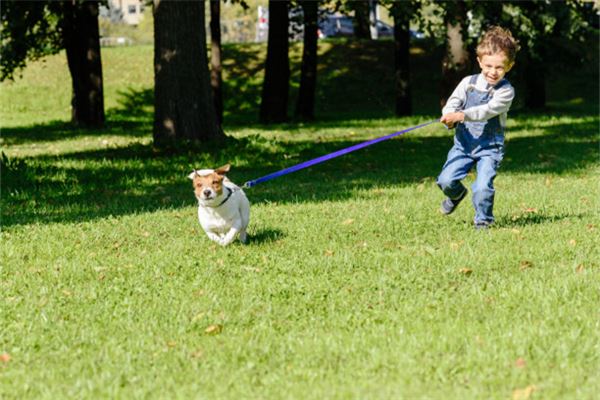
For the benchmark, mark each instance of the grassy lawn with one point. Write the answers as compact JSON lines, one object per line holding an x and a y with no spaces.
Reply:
{"x":352,"y":285}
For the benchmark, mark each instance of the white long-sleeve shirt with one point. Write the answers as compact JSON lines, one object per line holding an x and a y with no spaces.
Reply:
{"x":499,"y":104}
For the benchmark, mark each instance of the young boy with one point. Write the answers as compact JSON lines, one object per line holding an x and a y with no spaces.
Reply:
{"x":478,"y":108}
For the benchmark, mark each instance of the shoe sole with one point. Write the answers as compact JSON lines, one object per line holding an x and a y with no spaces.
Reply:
{"x":456,"y":206}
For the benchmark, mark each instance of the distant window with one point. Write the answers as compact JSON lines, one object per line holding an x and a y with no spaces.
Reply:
{"x":131,"y":9}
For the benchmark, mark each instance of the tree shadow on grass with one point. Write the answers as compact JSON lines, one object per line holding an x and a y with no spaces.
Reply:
{"x":60,"y":130}
{"x":131,"y":118}
{"x":88,"y":185}
{"x":532,"y":218}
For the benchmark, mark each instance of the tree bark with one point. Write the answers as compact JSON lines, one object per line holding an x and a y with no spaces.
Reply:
{"x":82,"y":43}
{"x":305,"y":107}
{"x":456,"y":63}
{"x":373,"y":17}
{"x":273,"y":107}
{"x":216,"y":79}
{"x":183,"y":105}
{"x":402,"y":60}
{"x":361,"y":19}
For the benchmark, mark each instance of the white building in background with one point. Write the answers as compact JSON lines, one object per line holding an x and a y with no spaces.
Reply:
{"x":129,"y":12}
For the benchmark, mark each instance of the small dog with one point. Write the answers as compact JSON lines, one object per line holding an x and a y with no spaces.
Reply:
{"x":223,"y":208}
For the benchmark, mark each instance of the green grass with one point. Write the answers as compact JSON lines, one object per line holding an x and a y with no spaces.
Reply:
{"x":352,"y":285}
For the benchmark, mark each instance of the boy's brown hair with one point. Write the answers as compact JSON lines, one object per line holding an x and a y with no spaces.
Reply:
{"x":497,"y":39}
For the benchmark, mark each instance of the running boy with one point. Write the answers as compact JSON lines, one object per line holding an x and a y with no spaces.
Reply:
{"x":478,"y":108}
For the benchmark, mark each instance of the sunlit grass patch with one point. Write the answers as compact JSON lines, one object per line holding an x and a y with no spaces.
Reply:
{"x":352,"y":285}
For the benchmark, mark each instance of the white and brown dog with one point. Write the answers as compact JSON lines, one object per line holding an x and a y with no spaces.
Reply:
{"x":223,"y":208}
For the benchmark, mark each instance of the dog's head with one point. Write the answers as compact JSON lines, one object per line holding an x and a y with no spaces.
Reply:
{"x":208,"y":183}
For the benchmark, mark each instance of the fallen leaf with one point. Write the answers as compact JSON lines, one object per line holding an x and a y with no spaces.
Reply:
{"x":198,"y":317}
{"x":531,"y":210}
{"x":525,"y":264}
{"x":348,"y":221}
{"x":328,"y":253}
{"x":197,"y":354}
{"x":572,"y":242}
{"x":172,"y":343}
{"x":465,"y":271}
{"x":145,"y":234}
{"x":580,"y":268}
{"x":524,"y":393}
{"x":520,"y":363}
{"x":429,"y":250}
{"x":4,"y":357}
{"x":456,"y":245}
{"x":213,"y":329}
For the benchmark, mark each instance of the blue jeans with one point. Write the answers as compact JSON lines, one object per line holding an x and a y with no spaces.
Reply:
{"x":486,"y":154}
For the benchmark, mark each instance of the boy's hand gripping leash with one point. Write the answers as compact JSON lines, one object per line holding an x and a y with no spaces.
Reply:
{"x":329,"y":156}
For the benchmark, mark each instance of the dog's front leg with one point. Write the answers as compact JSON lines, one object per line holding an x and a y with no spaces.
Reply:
{"x":213,"y":236}
{"x":230,"y":236}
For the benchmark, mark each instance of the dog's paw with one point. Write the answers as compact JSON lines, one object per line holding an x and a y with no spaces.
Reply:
{"x":244,"y":237}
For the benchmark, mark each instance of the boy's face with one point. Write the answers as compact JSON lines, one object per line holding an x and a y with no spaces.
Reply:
{"x":494,"y":67}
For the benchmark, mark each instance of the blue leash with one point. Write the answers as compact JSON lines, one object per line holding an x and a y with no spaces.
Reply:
{"x":329,"y":156}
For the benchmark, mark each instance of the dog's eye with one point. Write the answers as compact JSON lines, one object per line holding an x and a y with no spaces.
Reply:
{"x":216,"y":182}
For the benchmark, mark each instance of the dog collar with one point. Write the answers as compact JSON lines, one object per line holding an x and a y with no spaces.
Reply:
{"x":230,"y":192}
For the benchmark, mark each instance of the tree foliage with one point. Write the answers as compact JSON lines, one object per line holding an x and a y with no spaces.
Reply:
{"x":29,"y":30}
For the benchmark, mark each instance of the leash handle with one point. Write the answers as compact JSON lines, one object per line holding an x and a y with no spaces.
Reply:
{"x":329,"y":156}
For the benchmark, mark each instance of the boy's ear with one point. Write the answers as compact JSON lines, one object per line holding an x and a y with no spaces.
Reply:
{"x":223,"y":170}
{"x":509,"y":66}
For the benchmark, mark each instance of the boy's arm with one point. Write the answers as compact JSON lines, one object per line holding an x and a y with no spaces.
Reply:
{"x":457,"y":99}
{"x":452,"y":111}
{"x":499,"y":104}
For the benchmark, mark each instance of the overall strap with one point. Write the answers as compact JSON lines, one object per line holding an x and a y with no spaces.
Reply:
{"x":500,"y":84}
{"x":473,"y":79}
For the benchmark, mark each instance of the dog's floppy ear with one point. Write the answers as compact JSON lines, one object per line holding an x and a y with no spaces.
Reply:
{"x":223,"y":170}
{"x":192,"y":175}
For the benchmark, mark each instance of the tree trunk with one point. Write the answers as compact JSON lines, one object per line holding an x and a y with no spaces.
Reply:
{"x":82,"y":43}
{"x":373,"y":17}
{"x":535,"y":82}
{"x":273,"y":107}
{"x":361,"y":19}
{"x":305,"y":108}
{"x":456,"y":61}
{"x":402,"y":61}
{"x":183,"y":105}
{"x":216,"y":80}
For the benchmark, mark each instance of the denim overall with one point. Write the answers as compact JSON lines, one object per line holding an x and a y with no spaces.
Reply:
{"x":480,"y":143}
